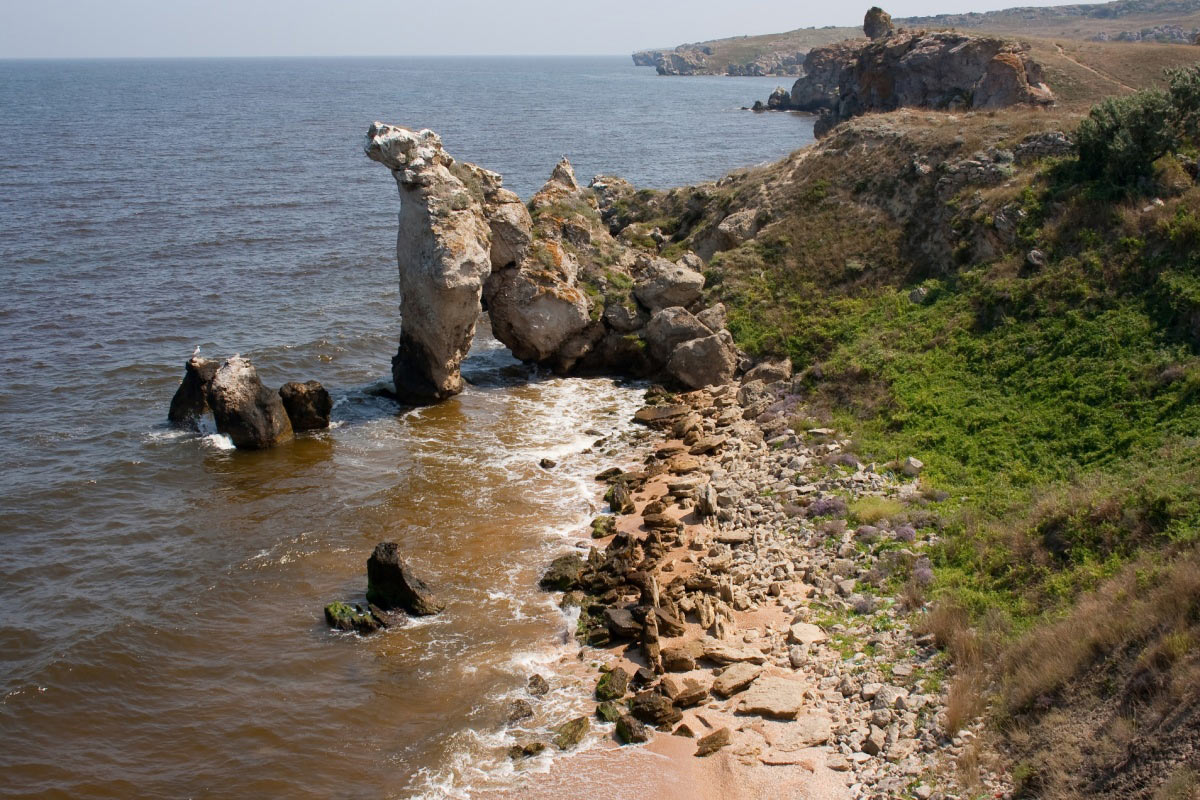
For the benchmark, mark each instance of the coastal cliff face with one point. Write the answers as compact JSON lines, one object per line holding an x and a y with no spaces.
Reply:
{"x":559,"y":288}
{"x":945,"y":71}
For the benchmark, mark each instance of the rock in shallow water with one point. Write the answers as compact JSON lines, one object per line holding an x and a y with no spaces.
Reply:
{"x":245,"y":410}
{"x":307,"y":404}
{"x":391,"y":583}
{"x":346,"y":617}
{"x":190,"y":402}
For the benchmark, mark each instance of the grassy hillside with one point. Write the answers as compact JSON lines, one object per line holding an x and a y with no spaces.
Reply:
{"x":1032,"y":334}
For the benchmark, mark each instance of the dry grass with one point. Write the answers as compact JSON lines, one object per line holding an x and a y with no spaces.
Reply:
{"x":870,"y":510}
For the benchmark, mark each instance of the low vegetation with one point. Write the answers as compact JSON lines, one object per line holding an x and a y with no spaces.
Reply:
{"x":1032,"y":335}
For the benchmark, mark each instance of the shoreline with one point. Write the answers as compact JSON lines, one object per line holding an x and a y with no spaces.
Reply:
{"x":751,"y":534}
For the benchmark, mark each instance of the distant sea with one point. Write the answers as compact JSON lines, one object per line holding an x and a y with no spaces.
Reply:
{"x":160,"y":594}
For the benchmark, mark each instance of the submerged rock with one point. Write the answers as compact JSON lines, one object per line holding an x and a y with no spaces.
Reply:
{"x":307,"y":404}
{"x":391,"y":584}
{"x":190,"y":402}
{"x":245,"y":410}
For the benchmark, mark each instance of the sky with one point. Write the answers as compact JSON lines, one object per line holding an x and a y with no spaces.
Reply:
{"x":190,"y":28}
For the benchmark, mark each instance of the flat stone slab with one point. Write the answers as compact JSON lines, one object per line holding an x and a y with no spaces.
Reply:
{"x":774,"y":697}
{"x":779,"y":758}
{"x":806,"y":633}
{"x":807,"y":730}
{"x":659,"y":413}
{"x":734,"y":537}
{"x":725,"y":653}
{"x":735,"y":678}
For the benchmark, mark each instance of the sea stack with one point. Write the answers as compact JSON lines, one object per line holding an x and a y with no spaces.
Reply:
{"x":443,"y":251}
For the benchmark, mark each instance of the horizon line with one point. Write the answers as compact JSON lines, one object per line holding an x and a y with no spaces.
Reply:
{"x":325,"y":55}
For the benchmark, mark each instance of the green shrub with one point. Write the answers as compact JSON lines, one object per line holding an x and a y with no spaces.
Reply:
{"x":1122,"y":137}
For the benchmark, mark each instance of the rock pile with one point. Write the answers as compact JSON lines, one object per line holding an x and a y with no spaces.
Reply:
{"x":753,"y":586}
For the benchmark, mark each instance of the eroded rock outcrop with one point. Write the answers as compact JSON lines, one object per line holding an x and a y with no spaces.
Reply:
{"x":391,"y":583}
{"x":249,"y":413}
{"x":444,"y":253}
{"x":941,"y":70}
{"x":559,"y":289}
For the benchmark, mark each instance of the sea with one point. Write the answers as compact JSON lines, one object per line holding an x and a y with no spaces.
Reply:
{"x":161,"y":594}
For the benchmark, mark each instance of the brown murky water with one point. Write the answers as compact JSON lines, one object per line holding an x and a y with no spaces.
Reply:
{"x":160,"y":597}
{"x":228,"y":684}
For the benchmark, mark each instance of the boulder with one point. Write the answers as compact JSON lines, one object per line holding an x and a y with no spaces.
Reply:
{"x":571,"y":733}
{"x":878,"y":24}
{"x":735,"y":677}
{"x":708,"y":361}
{"x":444,"y":253}
{"x":770,"y":372}
{"x":776,"y":697}
{"x":713,"y":318}
{"x":737,"y":228}
{"x":631,"y":730}
{"x":517,"y":710}
{"x":671,"y":327}
{"x":655,"y":709}
{"x":537,"y":685}
{"x":525,"y":750}
{"x":563,"y":573}
{"x":307,"y":405}
{"x":536,"y":311}
{"x":391,"y":583}
{"x":612,"y":685}
{"x":245,"y":410}
{"x":661,"y":284}
{"x":346,"y":617}
{"x":190,"y":402}
{"x":779,"y":99}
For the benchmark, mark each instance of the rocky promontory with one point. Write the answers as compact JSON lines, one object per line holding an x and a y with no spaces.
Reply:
{"x":912,"y":69}
{"x":559,"y":289}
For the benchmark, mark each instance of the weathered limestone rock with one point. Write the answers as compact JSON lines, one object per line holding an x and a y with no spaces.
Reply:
{"x":307,"y":405}
{"x":707,"y":745}
{"x":779,"y":99}
{"x":391,"y":584}
{"x":190,"y":402}
{"x":735,"y":678}
{"x":878,"y":24}
{"x":670,"y":328}
{"x":775,"y":697}
{"x":535,"y":311}
{"x":661,"y":284}
{"x":707,"y":361}
{"x":443,"y":249}
{"x":248,"y":412}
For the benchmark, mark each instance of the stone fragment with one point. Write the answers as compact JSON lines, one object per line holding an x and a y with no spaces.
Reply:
{"x":612,"y":685}
{"x":806,"y":633}
{"x":537,"y":685}
{"x":713,"y":742}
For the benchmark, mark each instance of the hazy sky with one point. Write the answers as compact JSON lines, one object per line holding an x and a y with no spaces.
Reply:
{"x":103,"y":28}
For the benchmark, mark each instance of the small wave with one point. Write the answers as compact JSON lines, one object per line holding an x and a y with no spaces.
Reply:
{"x":218,"y":441}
